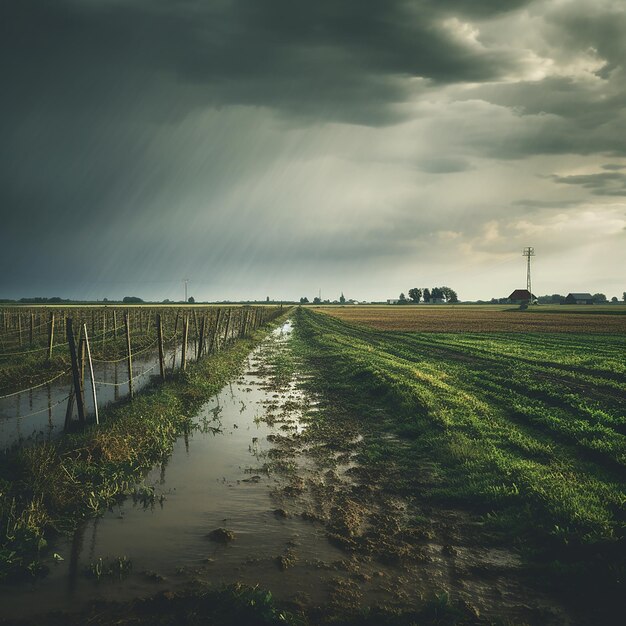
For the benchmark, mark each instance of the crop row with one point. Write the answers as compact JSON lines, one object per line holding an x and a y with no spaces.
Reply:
{"x":494,"y":443}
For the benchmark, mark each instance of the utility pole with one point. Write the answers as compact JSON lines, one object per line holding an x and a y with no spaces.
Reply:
{"x":528,"y":253}
{"x":185,"y":280}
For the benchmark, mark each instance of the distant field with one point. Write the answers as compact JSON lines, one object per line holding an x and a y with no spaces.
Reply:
{"x":458,"y":318}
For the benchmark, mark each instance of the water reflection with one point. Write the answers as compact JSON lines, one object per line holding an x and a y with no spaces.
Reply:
{"x":214,"y":478}
{"x":45,"y":416}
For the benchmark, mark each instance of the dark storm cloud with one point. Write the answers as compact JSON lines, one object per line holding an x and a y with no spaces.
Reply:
{"x":600,"y":184}
{"x":326,"y":59}
{"x":88,"y":83}
{"x":581,"y":107}
{"x":568,"y":117}
{"x":583,"y":26}
{"x":158,"y":134}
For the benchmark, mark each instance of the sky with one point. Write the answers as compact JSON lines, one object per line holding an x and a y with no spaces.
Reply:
{"x":281,"y":147}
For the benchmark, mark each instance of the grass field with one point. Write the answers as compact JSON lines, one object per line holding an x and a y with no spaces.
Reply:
{"x":487,"y":318}
{"x":525,"y":426}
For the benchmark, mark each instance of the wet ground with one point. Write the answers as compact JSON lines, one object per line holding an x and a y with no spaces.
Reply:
{"x":268,"y":490}
{"x":39,"y":414}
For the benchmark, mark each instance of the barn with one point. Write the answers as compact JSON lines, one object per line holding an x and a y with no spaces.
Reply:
{"x":578,"y":298}
{"x":521,"y":296}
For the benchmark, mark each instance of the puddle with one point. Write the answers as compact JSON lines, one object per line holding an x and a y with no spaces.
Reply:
{"x":306,"y":521}
{"x":215,"y":478}
{"x":39,"y":414}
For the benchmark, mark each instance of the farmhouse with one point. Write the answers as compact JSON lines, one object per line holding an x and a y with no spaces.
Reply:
{"x":521,"y":296}
{"x":578,"y":298}
{"x":393,"y":300}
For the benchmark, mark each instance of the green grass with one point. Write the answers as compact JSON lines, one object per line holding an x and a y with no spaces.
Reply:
{"x":526,"y":430}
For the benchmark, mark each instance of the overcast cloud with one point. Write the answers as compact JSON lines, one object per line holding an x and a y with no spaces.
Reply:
{"x":278,"y":147}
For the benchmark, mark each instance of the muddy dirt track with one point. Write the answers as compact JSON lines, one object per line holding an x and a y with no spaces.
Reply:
{"x":273,"y":489}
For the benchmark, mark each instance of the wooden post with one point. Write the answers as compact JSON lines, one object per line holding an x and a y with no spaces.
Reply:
{"x":115,"y":324}
{"x":104,"y":329}
{"x":195,"y":325}
{"x":183,"y":358}
{"x":81,"y":363}
{"x":19,"y":327}
{"x":50,"y":335}
{"x":242,"y":322}
{"x":130,"y":356}
{"x":195,"y":321}
{"x":201,"y":338}
{"x":78,"y":396}
{"x":69,"y":409}
{"x":116,"y":387}
{"x":230,"y":311}
{"x":32,"y":328}
{"x":160,"y":339}
{"x":93,"y":382}
{"x":214,"y":332}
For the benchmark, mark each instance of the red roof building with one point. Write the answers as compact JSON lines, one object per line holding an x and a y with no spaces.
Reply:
{"x":521,"y":295}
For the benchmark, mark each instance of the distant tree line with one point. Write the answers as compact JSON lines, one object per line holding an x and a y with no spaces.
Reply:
{"x":318,"y":300}
{"x":557,"y":298}
{"x":54,"y":299}
{"x":435,"y":294}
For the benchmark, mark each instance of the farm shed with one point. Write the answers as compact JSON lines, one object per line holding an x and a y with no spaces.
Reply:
{"x":520,"y":296}
{"x":578,"y":298}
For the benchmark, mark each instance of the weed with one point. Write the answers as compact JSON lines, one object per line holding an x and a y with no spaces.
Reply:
{"x":109,"y":568}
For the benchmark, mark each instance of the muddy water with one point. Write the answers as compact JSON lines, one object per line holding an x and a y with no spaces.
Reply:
{"x":263,"y":465}
{"x":39,"y":414}
{"x":214,"y":479}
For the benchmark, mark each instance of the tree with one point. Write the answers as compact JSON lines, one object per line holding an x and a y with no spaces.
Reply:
{"x":449,"y":294}
{"x":402,"y":299}
{"x":342,"y":298}
{"x":624,"y":296}
{"x":598,"y":298}
{"x":436,"y":293}
{"x":304,"y":300}
{"x":415,"y":294}
{"x":555,"y":298}
{"x":426,"y":294}
{"x":614,"y":300}
{"x":317,"y":300}
{"x":191,"y":300}
{"x":131,"y":300}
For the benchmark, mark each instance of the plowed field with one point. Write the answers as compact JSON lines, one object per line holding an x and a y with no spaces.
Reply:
{"x":477,"y":319}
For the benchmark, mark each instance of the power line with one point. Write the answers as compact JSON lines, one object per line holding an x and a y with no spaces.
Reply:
{"x":528,"y":253}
